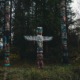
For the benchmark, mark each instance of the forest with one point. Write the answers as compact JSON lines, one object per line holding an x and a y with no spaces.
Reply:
{"x":24,"y":17}
{"x":34,"y":13}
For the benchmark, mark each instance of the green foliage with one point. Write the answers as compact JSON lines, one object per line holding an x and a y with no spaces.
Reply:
{"x":31,"y":14}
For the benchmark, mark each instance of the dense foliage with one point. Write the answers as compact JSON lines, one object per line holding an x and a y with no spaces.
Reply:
{"x":30,"y":14}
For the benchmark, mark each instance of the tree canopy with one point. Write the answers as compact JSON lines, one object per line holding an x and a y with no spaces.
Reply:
{"x":30,"y":14}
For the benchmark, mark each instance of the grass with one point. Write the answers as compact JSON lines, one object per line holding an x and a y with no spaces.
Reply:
{"x":50,"y":72}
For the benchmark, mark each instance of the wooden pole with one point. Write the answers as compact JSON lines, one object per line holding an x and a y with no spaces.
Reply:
{"x":7,"y":37}
{"x":64,"y":31}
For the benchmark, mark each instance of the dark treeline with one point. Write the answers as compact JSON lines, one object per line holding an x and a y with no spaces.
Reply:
{"x":30,"y":14}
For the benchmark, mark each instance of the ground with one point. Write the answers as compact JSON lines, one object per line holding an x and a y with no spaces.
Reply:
{"x":27,"y":71}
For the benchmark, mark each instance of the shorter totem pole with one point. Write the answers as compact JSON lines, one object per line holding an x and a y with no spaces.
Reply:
{"x":39,"y":38}
{"x":64,"y":31}
{"x":6,"y":36}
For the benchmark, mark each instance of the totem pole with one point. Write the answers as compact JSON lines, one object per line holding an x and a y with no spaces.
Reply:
{"x":64,"y":31}
{"x":7,"y":33}
{"x":39,"y":38}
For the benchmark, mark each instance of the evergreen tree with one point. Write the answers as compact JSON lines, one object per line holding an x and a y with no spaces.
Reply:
{"x":30,"y":14}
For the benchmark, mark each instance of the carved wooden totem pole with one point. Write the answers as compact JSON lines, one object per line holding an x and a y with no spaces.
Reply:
{"x":64,"y":31}
{"x":39,"y":38}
